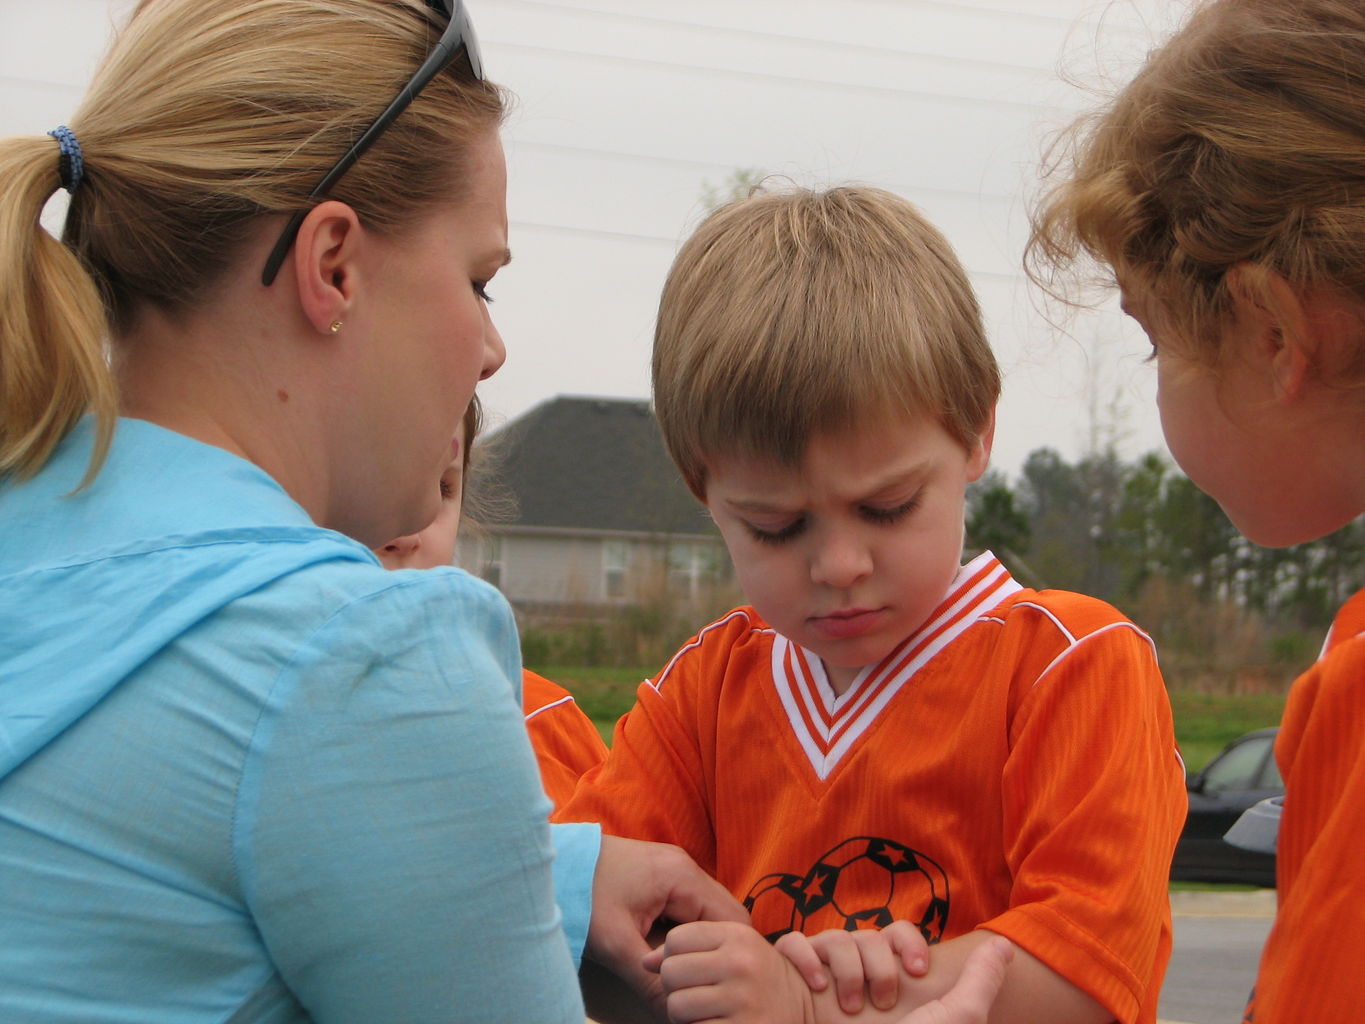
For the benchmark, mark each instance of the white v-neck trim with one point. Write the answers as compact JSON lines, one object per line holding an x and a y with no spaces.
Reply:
{"x":827,"y":726}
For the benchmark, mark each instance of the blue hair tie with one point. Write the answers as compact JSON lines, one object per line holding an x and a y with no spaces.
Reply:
{"x":73,"y":162}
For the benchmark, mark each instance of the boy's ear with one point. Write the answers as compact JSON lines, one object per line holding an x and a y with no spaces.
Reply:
{"x":980,"y":456}
{"x":324,"y":263}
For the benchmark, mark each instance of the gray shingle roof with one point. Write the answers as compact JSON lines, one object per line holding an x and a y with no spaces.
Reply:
{"x":574,"y":462}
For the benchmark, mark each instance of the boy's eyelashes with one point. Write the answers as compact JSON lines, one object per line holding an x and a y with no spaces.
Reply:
{"x":871,"y":513}
{"x":779,"y":536}
{"x":890,"y":515}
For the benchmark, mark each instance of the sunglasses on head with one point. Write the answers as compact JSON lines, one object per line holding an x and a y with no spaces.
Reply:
{"x":458,"y":37}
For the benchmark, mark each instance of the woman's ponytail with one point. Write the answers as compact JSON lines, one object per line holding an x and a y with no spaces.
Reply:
{"x":54,"y":363}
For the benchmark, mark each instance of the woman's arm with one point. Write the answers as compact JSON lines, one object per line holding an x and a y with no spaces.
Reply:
{"x":391,"y":834}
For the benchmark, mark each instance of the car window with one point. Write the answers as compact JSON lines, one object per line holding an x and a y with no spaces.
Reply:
{"x":1270,"y":778}
{"x":1237,"y":768}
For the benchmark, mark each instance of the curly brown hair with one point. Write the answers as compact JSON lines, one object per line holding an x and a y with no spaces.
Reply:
{"x":1241,"y":141}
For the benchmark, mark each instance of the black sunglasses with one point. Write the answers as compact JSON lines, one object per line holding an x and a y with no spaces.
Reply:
{"x":458,"y":36}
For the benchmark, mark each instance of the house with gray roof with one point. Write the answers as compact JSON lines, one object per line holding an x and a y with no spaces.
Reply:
{"x":595,"y":515}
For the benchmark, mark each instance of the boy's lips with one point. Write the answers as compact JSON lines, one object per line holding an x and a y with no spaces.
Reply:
{"x":848,"y":622}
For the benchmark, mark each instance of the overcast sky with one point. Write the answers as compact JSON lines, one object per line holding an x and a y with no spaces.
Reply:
{"x":629,"y":110}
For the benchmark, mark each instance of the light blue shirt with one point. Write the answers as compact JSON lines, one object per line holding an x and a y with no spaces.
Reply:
{"x":249,"y":776}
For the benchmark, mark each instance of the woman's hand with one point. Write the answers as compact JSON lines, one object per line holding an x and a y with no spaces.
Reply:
{"x":638,"y":884}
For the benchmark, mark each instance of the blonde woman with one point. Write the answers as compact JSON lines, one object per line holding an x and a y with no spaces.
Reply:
{"x":246,"y":774}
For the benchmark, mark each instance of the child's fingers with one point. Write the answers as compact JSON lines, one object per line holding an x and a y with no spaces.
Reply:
{"x":724,"y":972}
{"x":707,"y":952}
{"x":909,"y":944}
{"x":798,"y":949}
{"x":702,"y":1003}
{"x":696,"y":936}
{"x":691,"y":938}
{"x":880,"y":967}
{"x":839,"y":950}
{"x":689,"y":970}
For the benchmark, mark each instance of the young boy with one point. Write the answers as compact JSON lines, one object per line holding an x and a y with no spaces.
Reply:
{"x":885,"y":734}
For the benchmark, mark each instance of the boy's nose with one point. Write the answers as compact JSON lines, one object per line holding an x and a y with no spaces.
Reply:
{"x":840,"y":562}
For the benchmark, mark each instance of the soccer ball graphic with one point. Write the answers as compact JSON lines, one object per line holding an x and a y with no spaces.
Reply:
{"x":864,"y":882}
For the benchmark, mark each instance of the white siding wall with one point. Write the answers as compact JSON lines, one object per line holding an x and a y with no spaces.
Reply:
{"x":557,"y":569}
{"x":542,"y":568}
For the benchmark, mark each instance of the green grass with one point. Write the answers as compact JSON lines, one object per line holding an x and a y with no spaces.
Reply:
{"x":1213,"y":887}
{"x":1204,"y":722}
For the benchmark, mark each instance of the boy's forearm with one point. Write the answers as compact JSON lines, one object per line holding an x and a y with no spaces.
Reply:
{"x":1032,"y":991}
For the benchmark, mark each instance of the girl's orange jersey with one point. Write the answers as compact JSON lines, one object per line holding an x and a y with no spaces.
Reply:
{"x":1012,"y":765}
{"x":566,"y":742}
{"x":1310,"y":969}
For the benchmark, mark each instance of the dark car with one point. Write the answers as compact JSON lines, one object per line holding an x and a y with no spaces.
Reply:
{"x":1243,"y":774}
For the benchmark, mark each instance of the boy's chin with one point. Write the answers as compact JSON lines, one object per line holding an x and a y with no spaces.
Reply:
{"x":843,"y":662}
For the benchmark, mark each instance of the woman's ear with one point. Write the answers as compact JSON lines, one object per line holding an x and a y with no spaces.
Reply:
{"x":325,"y":264}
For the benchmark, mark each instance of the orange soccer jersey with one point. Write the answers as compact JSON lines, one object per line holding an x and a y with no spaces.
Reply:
{"x":1010,"y":765}
{"x":1310,"y":969}
{"x":566,"y":742}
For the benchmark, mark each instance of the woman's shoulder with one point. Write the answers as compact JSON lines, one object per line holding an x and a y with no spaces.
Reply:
{"x":365,"y":604}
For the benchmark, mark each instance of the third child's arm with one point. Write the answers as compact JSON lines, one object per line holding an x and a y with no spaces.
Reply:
{"x":1029,"y":984}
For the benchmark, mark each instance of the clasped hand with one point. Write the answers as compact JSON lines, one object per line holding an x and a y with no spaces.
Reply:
{"x":723,"y":971}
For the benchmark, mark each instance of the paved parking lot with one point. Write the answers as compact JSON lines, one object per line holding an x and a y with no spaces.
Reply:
{"x":1218,"y":939}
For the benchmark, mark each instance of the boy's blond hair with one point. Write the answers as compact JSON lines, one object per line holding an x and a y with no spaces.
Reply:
{"x":1241,"y":141}
{"x":795,"y":312}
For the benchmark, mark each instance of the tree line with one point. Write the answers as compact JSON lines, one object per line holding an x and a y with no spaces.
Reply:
{"x":1227,"y":616}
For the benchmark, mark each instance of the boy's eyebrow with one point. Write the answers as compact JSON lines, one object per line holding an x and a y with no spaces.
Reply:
{"x":905,"y":475}
{"x":898,"y":478}
{"x":754,"y":505}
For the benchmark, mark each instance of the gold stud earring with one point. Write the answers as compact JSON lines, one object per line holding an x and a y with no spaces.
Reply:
{"x":335,"y":327}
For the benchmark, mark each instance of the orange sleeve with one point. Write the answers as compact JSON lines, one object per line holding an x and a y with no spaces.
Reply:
{"x":1310,"y":968}
{"x":566,"y":742}
{"x":655,"y":783}
{"x":1093,"y":799}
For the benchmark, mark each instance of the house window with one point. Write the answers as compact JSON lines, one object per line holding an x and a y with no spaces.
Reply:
{"x":682,"y":569}
{"x":492,"y":561}
{"x":711,"y":563}
{"x":614,"y":559}
{"x":693,"y":566}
